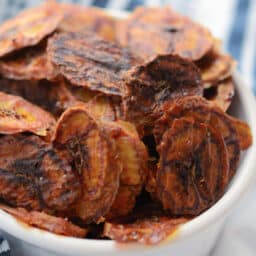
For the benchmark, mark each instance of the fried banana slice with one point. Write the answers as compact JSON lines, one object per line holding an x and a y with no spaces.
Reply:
{"x":152,"y":85}
{"x":54,"y":97}
{"x":134,"y":157}
{"x":205,"y":112}
{"x":18,"y":115}
{"x":215,"y":67}
{"x":149,"y":32}
{"x":221,"y":94}
{"x":79,"y":18}
{"x":29,"y":27}
{"x":35,"y":176}
{"x":146,"y":231}
{"x":87,"y":60}
{"x":28,"y":64}
{"x":193,"y":169}
{"x":56,"y":225}
{"x":95,"y":159}
{"x":243,"y":132}
{"x":105,"y":108}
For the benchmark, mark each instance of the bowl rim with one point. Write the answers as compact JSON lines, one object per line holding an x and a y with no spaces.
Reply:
{"x":237,"y":189}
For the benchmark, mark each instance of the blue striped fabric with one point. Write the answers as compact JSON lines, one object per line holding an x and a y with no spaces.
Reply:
{"x":238,"y":34}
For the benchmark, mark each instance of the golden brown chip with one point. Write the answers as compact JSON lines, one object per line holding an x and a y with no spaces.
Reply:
{"x":215,"y":67}
{"x":133,"y":155}
{"x":30,"y":63}
{"x":95,"y":159}
{"x":158,"y":82}
{"x":203,"y":111}
{"x":29,"y":27}
{"x":193,"y":170}
{"x":221,"y":94}
{"x":18,"y":115}
{"x":35,"y":176}
{"x":46,"y":222}
{"x":149,"y":32}
{"x":147,"y":231}
{"x":79,"y":18}
{"x":87,"y":60}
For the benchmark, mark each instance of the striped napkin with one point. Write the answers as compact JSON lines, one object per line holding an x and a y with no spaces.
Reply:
{"x":234,"y":22}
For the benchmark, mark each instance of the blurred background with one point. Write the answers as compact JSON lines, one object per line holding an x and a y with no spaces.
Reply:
{"x":233,"y":21}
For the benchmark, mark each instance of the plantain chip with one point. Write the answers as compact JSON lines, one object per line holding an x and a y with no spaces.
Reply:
{"x":18,"y":115}
{"x":87,"y":60}
{"x":78,"y":18}
{"x":215,"y":67}
{"x":28,"y":64}
{"x":29,"y":27}
{"x":46,"y":222}
{"x":243,"y":132}
{"x":156,"y":83}
{"x":205,"y":112}
{"x":193,"y":168}
{"x":34,"y":175}
{"x":150,"y":31}
{"x":221,"y":94}
{"x":95,"y":159}
{"x":133,"y":155}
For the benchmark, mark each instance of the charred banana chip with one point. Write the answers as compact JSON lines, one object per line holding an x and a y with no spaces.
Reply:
{"x":78,"y":18}
{"x":46,"y":222}
{"x":86,"y":60}
{"x":95,"y":159}
{"x":35,"y":176}
{"x":29,"y":27}
{"x":215,"y":67}
{"x":221,"y":94}
{"x":205,"y":112}
{"x":146,"y":231}
{"x":193,"y":168}
{"x":156,"y":83}
{"x":149,"y":32}
{"x":18,"y":115}
{"x":133,"y":155}
{"x":28,"y":64}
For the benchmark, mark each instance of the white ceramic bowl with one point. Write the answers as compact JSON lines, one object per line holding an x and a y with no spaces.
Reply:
{"x":195,"y":238}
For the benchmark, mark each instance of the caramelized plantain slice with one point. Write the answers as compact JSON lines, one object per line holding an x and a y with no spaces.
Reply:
{"x":151,"y":230}
{"x":101,"y":108}
{"x":193,"y":170}
{"x":205,"y":112}
{"x":28,"y":64}
{"x":133,"y":155}
{"x":87,"y":60}
{"x":221,"y":94}
{"x":46,"y":222}
{"x":35,"y":176}
{"x":236,"y":133}
{"x":95,"y":159}
{"x":243,"y":132}
{"x":215,"y":67}
{"x":79,"y":18}
{"x":29,"y":27}
{"x":18,"y":115}
{"x":151,"y":31}
{"x":158,"y":82}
